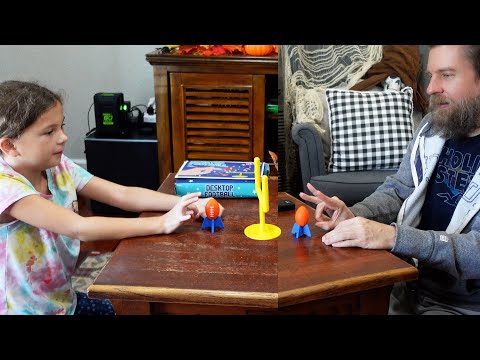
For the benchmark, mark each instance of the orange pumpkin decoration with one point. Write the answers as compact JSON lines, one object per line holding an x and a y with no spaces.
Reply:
{"x":258,"y":50}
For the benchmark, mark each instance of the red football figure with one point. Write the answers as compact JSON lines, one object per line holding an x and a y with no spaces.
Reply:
{"x":301,"y":216}
{"x":212,"y":209}
{"x":301,"y":222}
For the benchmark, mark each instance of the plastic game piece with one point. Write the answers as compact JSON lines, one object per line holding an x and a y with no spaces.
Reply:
{"x":301,"y":222}
{"x":212,"y":220}
{"x":262,"y":231}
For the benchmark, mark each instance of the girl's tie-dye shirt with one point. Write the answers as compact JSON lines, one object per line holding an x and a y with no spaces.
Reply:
{"x":36,"y":265}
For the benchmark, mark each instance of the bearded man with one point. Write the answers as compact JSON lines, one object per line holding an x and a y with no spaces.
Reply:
{"x":428,"y":212}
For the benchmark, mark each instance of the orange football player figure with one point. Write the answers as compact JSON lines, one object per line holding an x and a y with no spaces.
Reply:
{"x":301,"y":222}
{"x":212,"y":209}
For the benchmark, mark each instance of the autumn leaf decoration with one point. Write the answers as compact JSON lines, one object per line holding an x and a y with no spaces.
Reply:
{"x":212,"y":50}
{"x":234,"y":48}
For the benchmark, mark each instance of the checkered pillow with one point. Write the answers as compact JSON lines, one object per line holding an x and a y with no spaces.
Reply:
{"x":369,"y":129}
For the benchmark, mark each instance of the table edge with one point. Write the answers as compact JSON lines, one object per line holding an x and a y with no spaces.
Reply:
{"x":342,"y":287}
{"x":185,"y":296}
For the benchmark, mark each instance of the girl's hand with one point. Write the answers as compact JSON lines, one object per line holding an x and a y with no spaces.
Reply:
{"x":200,"y":205}
{"x":180,"y":212}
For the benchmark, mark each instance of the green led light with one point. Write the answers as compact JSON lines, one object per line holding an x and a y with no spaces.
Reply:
{"x":125,"y":107}
{"x":107,"y":118}
{"x":272,"y":108}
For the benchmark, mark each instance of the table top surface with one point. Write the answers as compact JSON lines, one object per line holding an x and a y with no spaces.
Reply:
{"x":228,"y":268}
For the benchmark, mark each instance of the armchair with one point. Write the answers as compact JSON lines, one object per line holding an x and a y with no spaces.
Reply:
{"x":351,"y":171}
{"x":350,"y":186}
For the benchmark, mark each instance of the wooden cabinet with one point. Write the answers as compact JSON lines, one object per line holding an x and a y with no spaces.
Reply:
{"x":210,"y":108}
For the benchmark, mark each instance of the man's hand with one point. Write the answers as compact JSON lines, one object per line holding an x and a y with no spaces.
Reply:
{"x":363,"y":233}
{"x":330,"y":211}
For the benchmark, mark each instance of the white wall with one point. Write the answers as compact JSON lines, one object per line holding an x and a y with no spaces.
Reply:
{"x":81,"y":71}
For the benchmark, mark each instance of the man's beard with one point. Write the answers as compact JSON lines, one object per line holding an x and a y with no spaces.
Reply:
{"x":458,"y":120}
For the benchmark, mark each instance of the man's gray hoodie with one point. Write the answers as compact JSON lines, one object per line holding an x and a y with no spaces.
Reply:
{"x":448,"y":261}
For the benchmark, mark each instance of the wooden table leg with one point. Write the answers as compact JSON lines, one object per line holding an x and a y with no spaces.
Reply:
{"x":125,"y":307}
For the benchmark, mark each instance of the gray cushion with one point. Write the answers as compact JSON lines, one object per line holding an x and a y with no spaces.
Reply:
{"x":351,"y":187}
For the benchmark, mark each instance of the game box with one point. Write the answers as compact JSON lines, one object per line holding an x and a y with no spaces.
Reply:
{"x":218,"y":179}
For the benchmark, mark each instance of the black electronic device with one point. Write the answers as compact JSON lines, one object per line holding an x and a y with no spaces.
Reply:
{"x":111,"y":118}
{"x":285,"y":205}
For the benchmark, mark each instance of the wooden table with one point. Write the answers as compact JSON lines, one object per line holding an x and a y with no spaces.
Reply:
{"x":194,"y":271}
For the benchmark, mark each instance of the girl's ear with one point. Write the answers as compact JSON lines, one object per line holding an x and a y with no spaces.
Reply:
{"x":7,"y":146}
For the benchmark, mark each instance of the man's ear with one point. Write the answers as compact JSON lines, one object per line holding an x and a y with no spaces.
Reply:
{"x":7,"y":146}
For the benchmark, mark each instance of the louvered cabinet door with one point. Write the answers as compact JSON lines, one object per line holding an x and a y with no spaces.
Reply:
{"x":217,"y":116}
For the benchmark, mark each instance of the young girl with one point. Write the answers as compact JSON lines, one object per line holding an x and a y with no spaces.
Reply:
{"x":40,"y":229}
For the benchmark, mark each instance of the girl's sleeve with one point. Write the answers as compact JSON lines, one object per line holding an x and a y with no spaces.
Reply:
{"x":79,"y":175}
{"x":12,"y":189}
